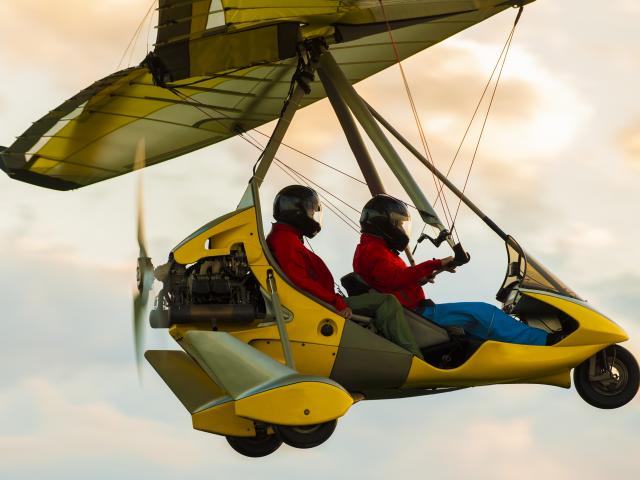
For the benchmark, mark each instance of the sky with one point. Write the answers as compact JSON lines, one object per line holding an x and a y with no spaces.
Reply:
{"x":558,"y":168}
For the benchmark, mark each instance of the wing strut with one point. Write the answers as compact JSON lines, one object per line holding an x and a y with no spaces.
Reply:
{"x":282,"y":327}
{"x":301,"y":79}
{"x":490,"y":223}
{"x":333,"y":75}
{"x":336,"y":77}
{"x":359,"y":149}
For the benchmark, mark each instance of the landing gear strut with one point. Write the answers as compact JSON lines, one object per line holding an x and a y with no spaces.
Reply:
{"x":609,"y":379}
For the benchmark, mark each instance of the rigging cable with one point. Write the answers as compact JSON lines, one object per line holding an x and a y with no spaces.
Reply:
{"x":249,"y":139}
{"x":174,"y":89}
{"x":330,"y":206}
{"x":493,"y":94}
{"x":501,"y":58}
{"x":314,"y":159}
{"x":252,"y":141}
{"x":323,"y":189}
{"x":300,"y":178}
{"x":246,"y":136}
{"x":151,"y":23}
{"x":423,"y":138}
{"x":311,"y":157}
{"x":475,"y":112}
{"x":135,"y":36}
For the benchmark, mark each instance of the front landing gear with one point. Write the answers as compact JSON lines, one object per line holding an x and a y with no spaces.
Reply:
{"x":307,"y":436}
{"x":609,"y":379}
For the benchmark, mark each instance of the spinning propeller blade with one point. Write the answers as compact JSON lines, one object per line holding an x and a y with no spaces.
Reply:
{"x":144,"y":272}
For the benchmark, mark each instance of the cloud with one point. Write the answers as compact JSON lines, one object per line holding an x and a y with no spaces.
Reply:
{"x":487,"y":448}
{"x":79,"y":40}
{"x":628,"y":140}
{"x":531,"y":102}
{"x":68,"y":430}
{"x":630,"y":6}
{"x":67,"y":267}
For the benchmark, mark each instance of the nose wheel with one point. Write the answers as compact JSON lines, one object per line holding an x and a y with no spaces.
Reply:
{"x":609,"y":379}
{"x":307,"y":436}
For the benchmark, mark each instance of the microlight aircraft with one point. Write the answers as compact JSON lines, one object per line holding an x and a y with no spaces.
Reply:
{"x":263,"y":362}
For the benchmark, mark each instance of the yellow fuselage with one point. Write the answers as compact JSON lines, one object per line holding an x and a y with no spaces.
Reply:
{"x":315,"y":353}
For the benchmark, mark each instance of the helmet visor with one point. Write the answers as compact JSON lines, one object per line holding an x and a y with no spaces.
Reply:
{"x":314,"y":210}
{"x":401,"y":222}
{"x":318,"y":214}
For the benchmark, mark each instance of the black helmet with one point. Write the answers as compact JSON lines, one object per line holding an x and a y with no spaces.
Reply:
{"x":300,"y":207}
{"x":387,"y":217}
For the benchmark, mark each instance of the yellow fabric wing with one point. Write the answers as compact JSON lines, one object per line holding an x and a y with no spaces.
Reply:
{"x":220,"y":68}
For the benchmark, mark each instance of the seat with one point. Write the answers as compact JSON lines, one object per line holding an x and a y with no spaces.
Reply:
{"x":425,"y":332}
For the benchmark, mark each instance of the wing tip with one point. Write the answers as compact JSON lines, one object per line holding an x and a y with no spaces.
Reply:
{"x":41,"y":180}
{"x":35,"y":178}
{"x":3,"y":166}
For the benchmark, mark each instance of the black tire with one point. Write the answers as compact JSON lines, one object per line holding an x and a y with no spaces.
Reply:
{"x":609,"y":393}
{"x":255,"y":446}
{"x":307,"y":436}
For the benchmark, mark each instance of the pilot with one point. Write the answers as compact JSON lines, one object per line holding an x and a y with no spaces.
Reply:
{"x":298,"y":213}
{"x":385,"y":225}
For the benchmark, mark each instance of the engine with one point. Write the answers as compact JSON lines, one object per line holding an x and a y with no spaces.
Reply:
{"x":211,"y":290}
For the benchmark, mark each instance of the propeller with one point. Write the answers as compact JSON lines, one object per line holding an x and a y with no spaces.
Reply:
{"x":144,"y":271}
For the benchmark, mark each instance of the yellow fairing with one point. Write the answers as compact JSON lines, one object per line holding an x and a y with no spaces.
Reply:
{"x":303,"y":403}
{"x":310,"y":358}
{"x":222,"y":420}
{"x":595,"y":328}
{"x":496,"y":362}
{"x":241,"y":228}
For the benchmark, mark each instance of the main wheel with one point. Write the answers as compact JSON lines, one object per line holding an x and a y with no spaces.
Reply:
{"x":255,"y":446}
{"x":616,"y":378}
{"x":307,"y":436}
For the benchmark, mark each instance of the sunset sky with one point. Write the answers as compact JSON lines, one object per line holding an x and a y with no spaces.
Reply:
{"x":558,"y":168}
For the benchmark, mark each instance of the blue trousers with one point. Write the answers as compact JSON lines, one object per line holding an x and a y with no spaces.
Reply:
{"x":484,"y":321}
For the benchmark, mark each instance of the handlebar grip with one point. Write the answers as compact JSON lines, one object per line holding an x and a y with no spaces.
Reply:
{"x":460,"y":256}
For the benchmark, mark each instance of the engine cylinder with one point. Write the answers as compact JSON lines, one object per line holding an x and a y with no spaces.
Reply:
{"x":202,"y":313}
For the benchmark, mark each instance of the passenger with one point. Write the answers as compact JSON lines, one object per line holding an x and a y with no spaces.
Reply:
{"x":298,"y":211}
{"x":384,"y":224}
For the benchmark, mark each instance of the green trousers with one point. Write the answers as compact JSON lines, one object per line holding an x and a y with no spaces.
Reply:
{"x":388,"y":318}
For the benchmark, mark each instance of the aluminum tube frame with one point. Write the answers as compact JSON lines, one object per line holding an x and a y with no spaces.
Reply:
{"x":277,"y":136}
{"x":490,"y":223}
{"x":275,"y":140}
{"x":282,"y":326}
{"x":358,"y":147}
{"x":269,"y":152}
{"x":359,"y":108}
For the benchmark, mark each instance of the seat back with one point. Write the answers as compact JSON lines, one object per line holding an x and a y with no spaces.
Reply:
{"x":424,"y":332}
{"x":354,"y":284}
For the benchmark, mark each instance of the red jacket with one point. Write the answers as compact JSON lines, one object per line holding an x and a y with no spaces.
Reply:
{"x":386,"y":272}
{"x":303,"y":267}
